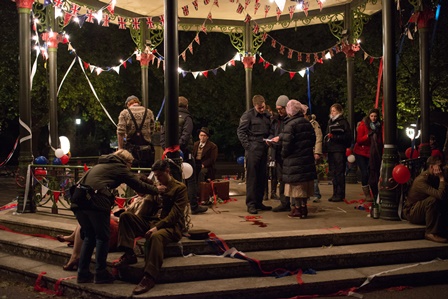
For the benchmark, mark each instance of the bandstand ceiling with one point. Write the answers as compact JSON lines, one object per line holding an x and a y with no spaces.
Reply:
{"x":225,"y":12}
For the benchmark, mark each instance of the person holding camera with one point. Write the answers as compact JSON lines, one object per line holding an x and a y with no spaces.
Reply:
{"x":368,"y":151}
{"x":337,"y":139}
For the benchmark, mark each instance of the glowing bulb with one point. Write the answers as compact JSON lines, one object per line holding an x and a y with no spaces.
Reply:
{"x":279,"y":65}
{"x":65,"y":144}
{"x":76,"y":19}
{"x":358,"y":41}
{"x":299,"y":6}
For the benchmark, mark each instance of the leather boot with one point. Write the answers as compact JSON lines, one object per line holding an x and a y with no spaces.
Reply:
{"x":366,"y":190}
{"x":284,"y":206}
{"x":295,"y":213}
{"x":303,"y":209}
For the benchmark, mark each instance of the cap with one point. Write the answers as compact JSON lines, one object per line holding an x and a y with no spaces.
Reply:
{"x":198,"y":234}
{"x":130,"y":98}
{"x":205,"y":130}
{"x":282,"y":101}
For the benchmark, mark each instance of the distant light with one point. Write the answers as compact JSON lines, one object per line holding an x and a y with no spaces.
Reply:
{"x":279,"y":65}
{"x":65,"y":144}
{"x":358,"y":41}
{"x":410,"y":132}
{"x":78,"y":121}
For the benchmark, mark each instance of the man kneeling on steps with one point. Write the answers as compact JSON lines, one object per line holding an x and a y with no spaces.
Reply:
{"x":168,"y":228}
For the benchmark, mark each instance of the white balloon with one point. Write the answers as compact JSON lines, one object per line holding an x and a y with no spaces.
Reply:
{"x":187,"y":170}
{"x":58,"y":153}
{"x":351,"y":158}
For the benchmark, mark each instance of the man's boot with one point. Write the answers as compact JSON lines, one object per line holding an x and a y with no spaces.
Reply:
{"x":366,"y":190}
{"x":284,"y":206}
{"x":303,"y":208}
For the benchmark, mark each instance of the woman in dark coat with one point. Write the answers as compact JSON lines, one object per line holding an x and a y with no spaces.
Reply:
{"x":337,"y":139}
{"x":94,"y":218}
{"x":299,"y":171}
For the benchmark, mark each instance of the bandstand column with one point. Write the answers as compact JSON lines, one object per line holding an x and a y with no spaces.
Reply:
{"x":389,"y":191}
{"x":248,"y":61}
{"x":424,"y":19}
{"x":53,"y":39}
{"x":145,"y":58}
{"x":171,"y":83}
{"x":26,"y":156}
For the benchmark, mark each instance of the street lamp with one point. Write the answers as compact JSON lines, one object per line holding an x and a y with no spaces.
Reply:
{"x":78,"y":121}
{"x":411,"y":132}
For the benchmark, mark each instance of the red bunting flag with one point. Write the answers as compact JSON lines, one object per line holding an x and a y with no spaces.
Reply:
{"x":290,"y":52}
{"x":121,"y":23}
{"x":232,"y":62}
{"x":308,"y":57}
{"x":67,"y":18}
{"x":305,"y":7}
{"x":256,"y":28}
{"x":162,"y":19}
{"x":58,"y":3}
{"x":124,"y":64}
{"x":56,"y":196}
{"x":291,"y":75}
{"x":273,"y":43}
{"x":266,"y":10}
{"x":260,"y":60}
{"x":256,"y":7}
{"x":247,"y":18}
{"x":278,"y":12}
{"x":195,"y":4}
{"x":215,"y":2}
{"x":291,"y":9}
{"x":85,"y":167}
{"x":282,"y":49}
{"x":371,"y":60}
{"x":149,"y":22}
{"x":206,"y":2}
{"x":111,"y":8}
{"x":196,"y":39}
{"x":205,"y":73}
{"x":185,"y":10}
{"x":90,"y":16}
{"x":266,"y":65}
{"x":86,"y":65}
{"x":265,"y":36}
{"x":316,"y":57}
{"x":75,"y":9}
{"x":240,"y":8}
{"x":319,"y":2}
{"x":184,"y":56}
{"x":246,"y":3}
{"x":299,"y":56}
{"x":106,"y":20}
{"x":136,"y":23}
{"x":203,"y":28}
{"x":209,"y":16}
{"x":190,"y":47}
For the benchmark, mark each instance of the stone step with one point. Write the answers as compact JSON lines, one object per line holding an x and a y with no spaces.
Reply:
{"x":324,"y":282}
{"x":177,"y":269}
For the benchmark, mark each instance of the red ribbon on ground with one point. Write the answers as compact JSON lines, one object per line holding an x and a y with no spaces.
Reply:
{"x":33,"y":235}
{"x":39,"y":288}
{"x":8,"y":206}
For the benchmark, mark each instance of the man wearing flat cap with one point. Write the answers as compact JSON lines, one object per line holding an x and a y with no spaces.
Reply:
{"x":134,"y":130}
{"x":205,"y":153}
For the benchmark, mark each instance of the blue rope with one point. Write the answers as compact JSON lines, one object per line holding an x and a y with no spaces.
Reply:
{"x":161,"y":108}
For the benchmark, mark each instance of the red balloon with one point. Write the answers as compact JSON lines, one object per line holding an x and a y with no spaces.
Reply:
{"x":401,"y":174}
{"x":64,"y":159}
{"x":39,"y":173}
{"x":348,"y":152}
{"x":415,"y":153}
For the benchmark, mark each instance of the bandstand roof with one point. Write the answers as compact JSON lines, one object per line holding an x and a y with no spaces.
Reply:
{"x":219,"y":15}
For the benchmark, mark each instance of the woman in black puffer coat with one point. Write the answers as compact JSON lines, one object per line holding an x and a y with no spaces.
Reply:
{"x":299,"y":170}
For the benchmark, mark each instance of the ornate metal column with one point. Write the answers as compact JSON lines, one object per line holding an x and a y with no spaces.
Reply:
{"x":423,"y":17}
{"x":171,"y":81}
{"x":248,"y":61}
{"x":389,"y":191}
{"x":26,"y":156}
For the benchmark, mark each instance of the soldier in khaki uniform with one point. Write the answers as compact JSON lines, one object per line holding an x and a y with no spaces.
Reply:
{"x":424,"y":201}
{"x":168,"y":228}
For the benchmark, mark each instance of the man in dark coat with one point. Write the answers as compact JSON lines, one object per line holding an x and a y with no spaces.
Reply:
{"x":205,"y":154}
{"x":424,"y":202}
{"x":167,"y":229}
{"x":253,"y":130}
{"x":337,"y":139}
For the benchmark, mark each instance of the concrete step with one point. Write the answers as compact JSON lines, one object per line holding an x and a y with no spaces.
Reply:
{"x":199,"y":267}
{"x":324,"y":282}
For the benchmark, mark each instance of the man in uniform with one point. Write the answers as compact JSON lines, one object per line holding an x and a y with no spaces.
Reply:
{"x":186,"y":146}
{"x":168,"y":228}
{"x":252,"y":132}
{"x":424,"y":204}
{"x":134,"y":131}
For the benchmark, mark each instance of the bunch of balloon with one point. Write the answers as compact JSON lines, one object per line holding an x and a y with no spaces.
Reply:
{"x":411,"y":153}
{"x":61,"y":157}
{"x":40,"y":172}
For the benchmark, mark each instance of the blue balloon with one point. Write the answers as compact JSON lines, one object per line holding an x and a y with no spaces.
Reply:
{"x":181,"y":154}
{"x":57,"y":161}
{"x":240,"y":160}
{"x":41,"y":160}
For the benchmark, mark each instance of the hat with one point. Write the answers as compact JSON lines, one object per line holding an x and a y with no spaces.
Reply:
{"x":282,"y":101}
{"x":130,"y":98}
{"x":198,"y":234}
{"x":293,"y":107}
{"x":205,"y":130}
